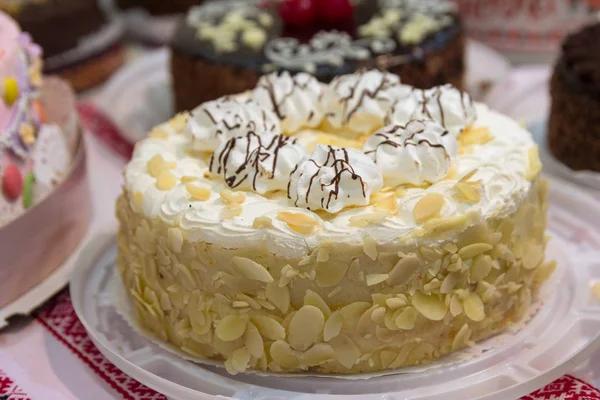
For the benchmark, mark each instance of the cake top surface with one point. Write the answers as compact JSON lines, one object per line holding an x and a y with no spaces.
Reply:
{"x":323,"y":42}
{"x":296,"y":163}
{"x":581,"y":58}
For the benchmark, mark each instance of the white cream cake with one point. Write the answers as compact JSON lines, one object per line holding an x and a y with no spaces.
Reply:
{"x":353,"y":227}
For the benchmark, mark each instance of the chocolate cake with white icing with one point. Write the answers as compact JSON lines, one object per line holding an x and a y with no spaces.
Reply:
{"x":223,"y":47}
{"x":80,"y":43}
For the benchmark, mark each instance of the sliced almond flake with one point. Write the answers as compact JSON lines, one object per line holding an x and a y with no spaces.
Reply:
{"x":305,"y":327}
{"x":428,"y":206}
{"x":253,"y":341}
{"x":232,"y":197}
{"x":334,"y":292}
{"x":279,"y":296}
{"x":473,"y":307}
{"x":474,"y":250}
{"x":313,"y":299}
{"x":298,"y":222}
{"x":333,"y":326}
{"x":282,"y":354}
{"x":251,"y":269}
{"x":166,"y":181}
{"x":370,"y":247}
{"x":157,"y":165}
{"x":388,"y":204}
{"x":268,"y":327}
{"x":231,"y":328}
{"x":318,"y":354}
{"x":468,"y":192}
{"x":535,"y":165}
{"x":231,"y":211}
{"x":374,"y":279}
{"x":198,"y":193}
{"x":239,"y":304}
{"x":468,"y":175}
{"x":323,"y":254}
{"x":262,"y":222}
{"x":373,"y":218}
{"x":429,"y":306}
{"x":403,"y":270}
{"x":596,"y":290}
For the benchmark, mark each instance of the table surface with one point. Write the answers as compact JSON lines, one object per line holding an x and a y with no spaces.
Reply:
{"x":49,"y":356}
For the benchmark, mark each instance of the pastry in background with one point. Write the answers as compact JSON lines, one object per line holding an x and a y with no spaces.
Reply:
{"x":574,"y":126}
{"x":80,"y":43}
{"x":223,"y":47}
{"x":44,"y":197}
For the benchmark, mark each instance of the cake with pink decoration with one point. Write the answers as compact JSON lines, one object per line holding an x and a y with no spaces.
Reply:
{"x":35,"y":155}
{"x":44,"y":197}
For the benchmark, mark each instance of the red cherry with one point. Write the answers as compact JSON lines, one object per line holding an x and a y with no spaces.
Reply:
{"x":12,"y":182}
{"x":298,"y":12}
{"x":335,"y":11}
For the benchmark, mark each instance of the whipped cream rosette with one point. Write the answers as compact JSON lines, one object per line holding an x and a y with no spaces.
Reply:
{"x":361,"y":256}
{"x":447,"y":105}
{"x":360,"y":102}
{"x":420,"y":152}
{"x":296,"y":100}
{"x":217,"y":121}
{"x":331,"y":179}
{"x":259,"y":163}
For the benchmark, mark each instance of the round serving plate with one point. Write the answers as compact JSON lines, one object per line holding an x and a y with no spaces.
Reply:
{"x":139,"y":97}
{"x":563,"y":334}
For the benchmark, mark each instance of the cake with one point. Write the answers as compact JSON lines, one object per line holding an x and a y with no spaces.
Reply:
{"x":223,"y":47}
{"x":349,"y":227}
{"x":42,"y":167}
{"x":159,"y":7}
{"x":574,"y":125}
{"x":79,"y":42}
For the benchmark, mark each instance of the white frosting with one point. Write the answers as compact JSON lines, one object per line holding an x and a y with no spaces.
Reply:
{"x":296,"y":100}
{"x":449,"y":106}
{"x":419,"y":152}
{"x":259,"y":163}
{"x":361,"y":101}
{"x":501,"y":163}
{"x":332,"y":179}
{"x":215,"y":122}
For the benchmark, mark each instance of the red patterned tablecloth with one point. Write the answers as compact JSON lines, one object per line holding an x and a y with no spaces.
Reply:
{"x":51,"y":356}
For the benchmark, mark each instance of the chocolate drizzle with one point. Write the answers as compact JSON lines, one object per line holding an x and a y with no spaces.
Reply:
{"x":268,"y":84}
{"x":339,"y":161}
{"x":385,"y":84}
{"x":433,"y":98}
{"x":394,"y":136}
{"x":258,"y":150}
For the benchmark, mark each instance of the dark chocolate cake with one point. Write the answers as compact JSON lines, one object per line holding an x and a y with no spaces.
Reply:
{"x":79,"y":41}
{"x":159,"y":7}
{"x":223,"y":47}
{"x":574,"y":127}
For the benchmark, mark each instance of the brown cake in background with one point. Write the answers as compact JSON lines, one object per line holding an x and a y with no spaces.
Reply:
{"x":159,"y":7}
{"x":223,"y":47}
{"x":79,"y":41}
{"x":574,"y":127}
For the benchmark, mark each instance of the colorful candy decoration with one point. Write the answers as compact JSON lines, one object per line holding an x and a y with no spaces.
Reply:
{"x":40,"y":111}
{"x":12,"y":182}
{"x":28,"y":190}
{"x":10,"y":91}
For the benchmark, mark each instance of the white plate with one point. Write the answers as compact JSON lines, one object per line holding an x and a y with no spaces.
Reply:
{"x":138,"y":97}
{"x":562,"y":335}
